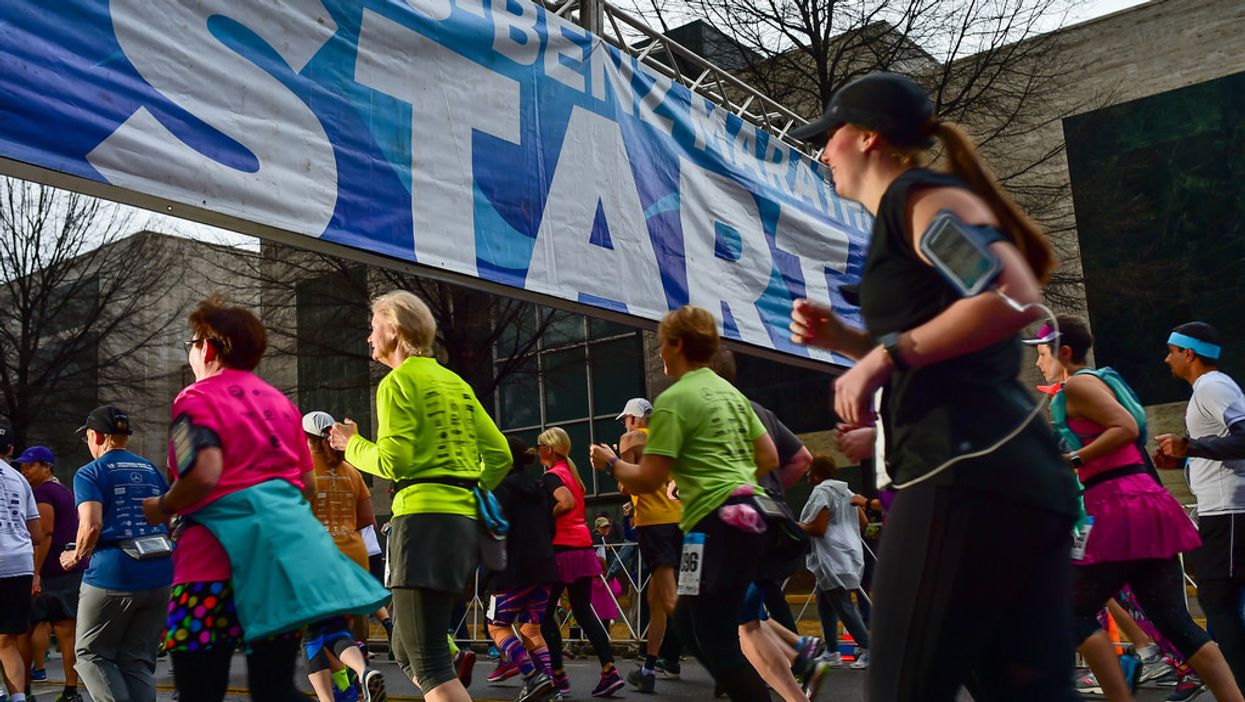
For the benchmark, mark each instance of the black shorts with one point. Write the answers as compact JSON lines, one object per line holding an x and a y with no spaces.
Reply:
{"x":58,"y":600}
{"x":15,"y":604}
{"x":660,"y":544}
{"x":1222,"y":553}
{"x":731,"y":556}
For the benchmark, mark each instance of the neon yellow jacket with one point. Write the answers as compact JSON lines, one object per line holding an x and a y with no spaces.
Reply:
{"x":430,"y":425}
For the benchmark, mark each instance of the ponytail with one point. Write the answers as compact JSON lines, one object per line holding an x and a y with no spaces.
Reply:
{"x":557,"y":439}
{"x":963,"y":161}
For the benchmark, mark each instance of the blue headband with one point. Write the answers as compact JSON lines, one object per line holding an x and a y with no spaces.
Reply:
{"x":1201,"y":348}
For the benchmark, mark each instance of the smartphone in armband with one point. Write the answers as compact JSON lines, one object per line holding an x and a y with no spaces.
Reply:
{"x":960,"y":253}
{"x":768,"y":507}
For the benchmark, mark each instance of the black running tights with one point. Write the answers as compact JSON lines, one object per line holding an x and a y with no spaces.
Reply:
{"x":580,"y":595}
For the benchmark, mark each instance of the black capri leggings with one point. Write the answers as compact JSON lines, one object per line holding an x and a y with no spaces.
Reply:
{"x":959,"y":568}
{"x":1158,"y":584}
{"x":580,"y":595}
{"x":421,"y":626}
{"x":203,"y":676}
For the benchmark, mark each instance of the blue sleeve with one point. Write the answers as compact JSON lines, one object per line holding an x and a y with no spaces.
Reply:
{"x":84,"y":487}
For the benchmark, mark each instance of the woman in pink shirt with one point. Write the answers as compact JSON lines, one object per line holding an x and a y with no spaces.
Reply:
{"x":1139,"y":528}
{"x":251,"y":560}
{"x":576,"y":560}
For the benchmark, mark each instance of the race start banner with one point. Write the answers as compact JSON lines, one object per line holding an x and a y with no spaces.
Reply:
{"x":487,"y":138}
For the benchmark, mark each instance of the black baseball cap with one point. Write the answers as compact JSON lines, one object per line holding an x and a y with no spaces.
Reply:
{"x":888,"y":103}
{"x":107,"y":419}
{"x":6,"y":436}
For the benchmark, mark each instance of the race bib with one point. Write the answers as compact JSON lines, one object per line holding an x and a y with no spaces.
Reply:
{"x":1080,"y":540}
{"x":692,"y":565}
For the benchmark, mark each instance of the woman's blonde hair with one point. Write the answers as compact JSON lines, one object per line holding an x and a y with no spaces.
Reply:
{"x":695,"y":327}
{"x":964,"y":162}
{"x":411,"y":319}
{"x":557,"y":439}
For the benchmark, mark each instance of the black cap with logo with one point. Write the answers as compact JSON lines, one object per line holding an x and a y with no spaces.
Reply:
{"x":108,"y":419}
{"x":888,"y":103}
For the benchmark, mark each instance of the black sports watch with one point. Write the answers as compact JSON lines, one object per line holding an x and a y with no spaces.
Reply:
{"x":1075,"y":459}
{"x":890,"y":343}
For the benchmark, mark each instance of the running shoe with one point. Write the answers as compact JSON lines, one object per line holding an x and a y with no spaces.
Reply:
{"x":835,"y":659}
{"x":810,"y":646}
{"x":1087,"y":684}
{"x":1189,"y":688}
{"x":463,"y":663}
{"x":1155,"y":668}
{"x":641,"y":681}
{"x":813,"y":681}
{"x":561,"y":682}
{"x":610,"y":683}
{"x":493,"y":652}
{"x":535,"y":688}
{"x":75,"y":697}
{"x":862,"y":660}
{"x":504,"y":671}
{"x":349,"y":694}
{"x":38,"y":674}
{"x":373,"y":685}
{"x":669,"y":669}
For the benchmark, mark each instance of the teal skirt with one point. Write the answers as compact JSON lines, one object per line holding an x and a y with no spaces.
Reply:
{"x":286,"y":570}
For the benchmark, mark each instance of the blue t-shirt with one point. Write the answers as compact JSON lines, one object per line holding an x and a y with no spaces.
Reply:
{"x":120,"y":481}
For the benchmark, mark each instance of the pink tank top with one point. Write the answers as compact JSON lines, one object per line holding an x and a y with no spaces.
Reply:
{"x":571,"y":530}
{"x":1127,"y":455}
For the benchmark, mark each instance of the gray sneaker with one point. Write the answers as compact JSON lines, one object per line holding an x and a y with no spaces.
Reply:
{"x":535,"y":688}
{"x":641,"y":682}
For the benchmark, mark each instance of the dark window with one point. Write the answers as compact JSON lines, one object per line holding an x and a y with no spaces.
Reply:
{"x":1160,"y":213}
{"x":333,"y":355}
{"x":579,"y":375}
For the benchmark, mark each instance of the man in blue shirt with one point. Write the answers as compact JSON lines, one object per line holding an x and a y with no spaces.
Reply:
{"x":125,"y":590}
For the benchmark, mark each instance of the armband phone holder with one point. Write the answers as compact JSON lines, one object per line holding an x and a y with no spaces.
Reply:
{"x":960,"y":253}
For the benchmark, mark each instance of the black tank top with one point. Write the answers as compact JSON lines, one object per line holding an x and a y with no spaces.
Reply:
{"x":962,"y":404}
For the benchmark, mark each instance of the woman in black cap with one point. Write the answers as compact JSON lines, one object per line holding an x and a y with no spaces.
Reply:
{"x":980,"y":532}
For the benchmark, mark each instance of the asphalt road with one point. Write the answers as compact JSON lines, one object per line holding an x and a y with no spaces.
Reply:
{"x":843,"y":684}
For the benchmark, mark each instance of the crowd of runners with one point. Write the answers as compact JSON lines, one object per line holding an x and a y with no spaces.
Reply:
{"x":1005,"y":542}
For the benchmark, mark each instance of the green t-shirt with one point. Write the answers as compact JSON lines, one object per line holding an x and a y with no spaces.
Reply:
{"x":708,"y":427}
{"x":430,"y":424}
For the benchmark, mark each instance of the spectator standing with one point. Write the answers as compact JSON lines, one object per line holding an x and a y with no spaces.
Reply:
{"x":19,"y":521}
{"x":56,"y":598}
{"x":126,"y":587}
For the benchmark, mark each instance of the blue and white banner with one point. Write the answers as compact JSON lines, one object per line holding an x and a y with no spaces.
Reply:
{"x":484,"y":137}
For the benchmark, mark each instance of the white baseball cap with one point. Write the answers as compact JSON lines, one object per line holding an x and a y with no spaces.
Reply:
{"x":636,"y":407}
{"x":318,"y":423}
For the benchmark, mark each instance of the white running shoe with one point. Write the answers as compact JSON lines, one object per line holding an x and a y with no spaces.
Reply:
{"x":835,"y":659}
{"x":862,"y":659}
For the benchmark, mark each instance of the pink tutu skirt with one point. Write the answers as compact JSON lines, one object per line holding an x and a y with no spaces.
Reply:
{"x":1135,"y":518}
{"x":577,"y":563}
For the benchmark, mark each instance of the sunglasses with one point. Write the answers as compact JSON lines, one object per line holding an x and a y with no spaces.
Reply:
{"x":193,"y":343}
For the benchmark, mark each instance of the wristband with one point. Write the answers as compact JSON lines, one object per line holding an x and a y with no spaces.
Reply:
{"x":609,"y":466}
